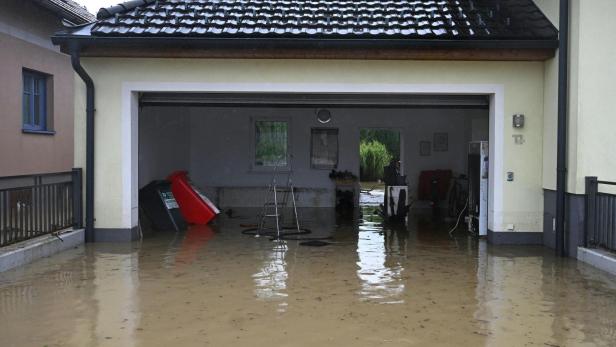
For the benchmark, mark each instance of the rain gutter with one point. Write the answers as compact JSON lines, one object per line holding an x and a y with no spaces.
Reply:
{"x":561,"y":242}
{"x":89,"y":190}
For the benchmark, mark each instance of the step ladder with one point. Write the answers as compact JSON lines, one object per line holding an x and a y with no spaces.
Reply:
{"x":274,"y":205}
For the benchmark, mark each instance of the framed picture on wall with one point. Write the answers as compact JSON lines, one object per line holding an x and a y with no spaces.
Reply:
{"x":324,"y":148}
{"x":425,"y":148}
{"x":441,"y":142}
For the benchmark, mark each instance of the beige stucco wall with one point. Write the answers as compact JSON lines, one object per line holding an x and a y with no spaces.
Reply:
{"x":592,"y":73}
{"x":25,"y":30}
{"x":551,"y":9}
{"x":34,"y":153}
{"x":596,"y":89}
{"x":29,"y":22}
{"x":550,"y":102}
{"x":522,"y":83}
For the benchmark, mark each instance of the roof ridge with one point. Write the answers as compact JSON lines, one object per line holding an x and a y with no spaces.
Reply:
{"x":125,"y":6}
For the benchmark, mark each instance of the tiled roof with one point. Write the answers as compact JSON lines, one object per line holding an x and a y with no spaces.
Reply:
{"x":348,"y":19}
{"x":68,"y":9}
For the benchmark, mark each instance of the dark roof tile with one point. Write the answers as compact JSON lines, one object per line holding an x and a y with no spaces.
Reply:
{"x":434,"y":19}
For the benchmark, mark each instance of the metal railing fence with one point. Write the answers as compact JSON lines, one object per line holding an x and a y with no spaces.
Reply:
{"x":600,"y":215}
{"x":34,"y":205}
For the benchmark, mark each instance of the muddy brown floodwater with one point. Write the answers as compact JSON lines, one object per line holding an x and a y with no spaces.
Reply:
{"x":372,"y":286}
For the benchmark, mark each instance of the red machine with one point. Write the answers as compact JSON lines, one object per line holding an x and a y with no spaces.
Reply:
{"x":195,"y":207}
{"x":433,"y":184}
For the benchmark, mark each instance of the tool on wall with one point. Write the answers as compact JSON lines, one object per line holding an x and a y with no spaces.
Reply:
{"x":458,"y":200}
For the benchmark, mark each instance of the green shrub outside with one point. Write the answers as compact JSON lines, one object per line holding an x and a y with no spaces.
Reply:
{"x":374,"y":156}
{"x":390,"y":138}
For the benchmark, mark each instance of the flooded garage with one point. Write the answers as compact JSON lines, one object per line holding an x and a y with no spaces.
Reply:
{"x":368,"y":285}
{"x":427,"y":152}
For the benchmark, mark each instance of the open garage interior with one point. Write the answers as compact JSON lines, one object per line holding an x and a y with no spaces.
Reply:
{"x":230,"y":145}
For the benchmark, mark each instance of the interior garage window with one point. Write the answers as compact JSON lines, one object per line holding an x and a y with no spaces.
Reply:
{"x":271,"y":143}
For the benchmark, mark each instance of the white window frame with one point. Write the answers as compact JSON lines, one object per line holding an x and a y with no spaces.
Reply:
{"x":253,"y":138}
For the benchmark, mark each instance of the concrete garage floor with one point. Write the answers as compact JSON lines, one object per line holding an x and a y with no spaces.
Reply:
{"x":213,"y":286}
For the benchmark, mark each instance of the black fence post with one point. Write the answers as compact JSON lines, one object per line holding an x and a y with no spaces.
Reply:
{"x":77,"y":198}
{"x":591,"y":211}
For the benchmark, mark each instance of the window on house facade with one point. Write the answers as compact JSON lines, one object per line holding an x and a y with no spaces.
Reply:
{"x":34,"y":101}
{"x":271,"y":143}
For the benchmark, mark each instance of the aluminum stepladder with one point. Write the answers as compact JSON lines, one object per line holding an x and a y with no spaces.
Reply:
{"x":273,"y":206}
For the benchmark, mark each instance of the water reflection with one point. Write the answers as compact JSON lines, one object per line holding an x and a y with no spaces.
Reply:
{"x":372,"y":198}
{"x":525,"y":295}
{"x":380,"y":269}
{"x":196,"y":238}
{"x":116,"y":286}
{"x":271,"y":279}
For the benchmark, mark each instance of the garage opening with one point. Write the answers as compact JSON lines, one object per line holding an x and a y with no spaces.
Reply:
{"x":231,"y":144}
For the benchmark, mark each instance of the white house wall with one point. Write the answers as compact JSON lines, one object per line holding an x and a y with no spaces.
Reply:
{"x":591,"y":92}
{"x":596,"y":92}
{"x":550,"y":98}
{"x":519,"y":86}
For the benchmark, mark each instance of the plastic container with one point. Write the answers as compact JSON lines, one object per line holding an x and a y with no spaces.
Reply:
{"x":160,"y":206}
{"x":194,"y":205}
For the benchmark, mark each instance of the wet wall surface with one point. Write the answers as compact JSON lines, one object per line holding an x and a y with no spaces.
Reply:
{"x":371,"y":286}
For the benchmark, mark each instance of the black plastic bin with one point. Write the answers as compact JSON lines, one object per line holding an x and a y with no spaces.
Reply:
{"x":159,"y":205}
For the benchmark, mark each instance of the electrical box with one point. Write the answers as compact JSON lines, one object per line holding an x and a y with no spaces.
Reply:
{"x":478,"y":169}
{"x":518,"y":121}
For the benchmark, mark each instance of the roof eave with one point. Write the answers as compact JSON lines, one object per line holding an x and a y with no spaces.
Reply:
{"x":93,"y":44}
{"x":281,"y":43}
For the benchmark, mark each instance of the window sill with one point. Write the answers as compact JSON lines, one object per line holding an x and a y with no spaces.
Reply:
{"x":39,"y":132}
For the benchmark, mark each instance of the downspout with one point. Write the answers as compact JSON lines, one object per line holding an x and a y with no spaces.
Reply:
{"x":561,"y":245}
{"x":76,"y":62}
